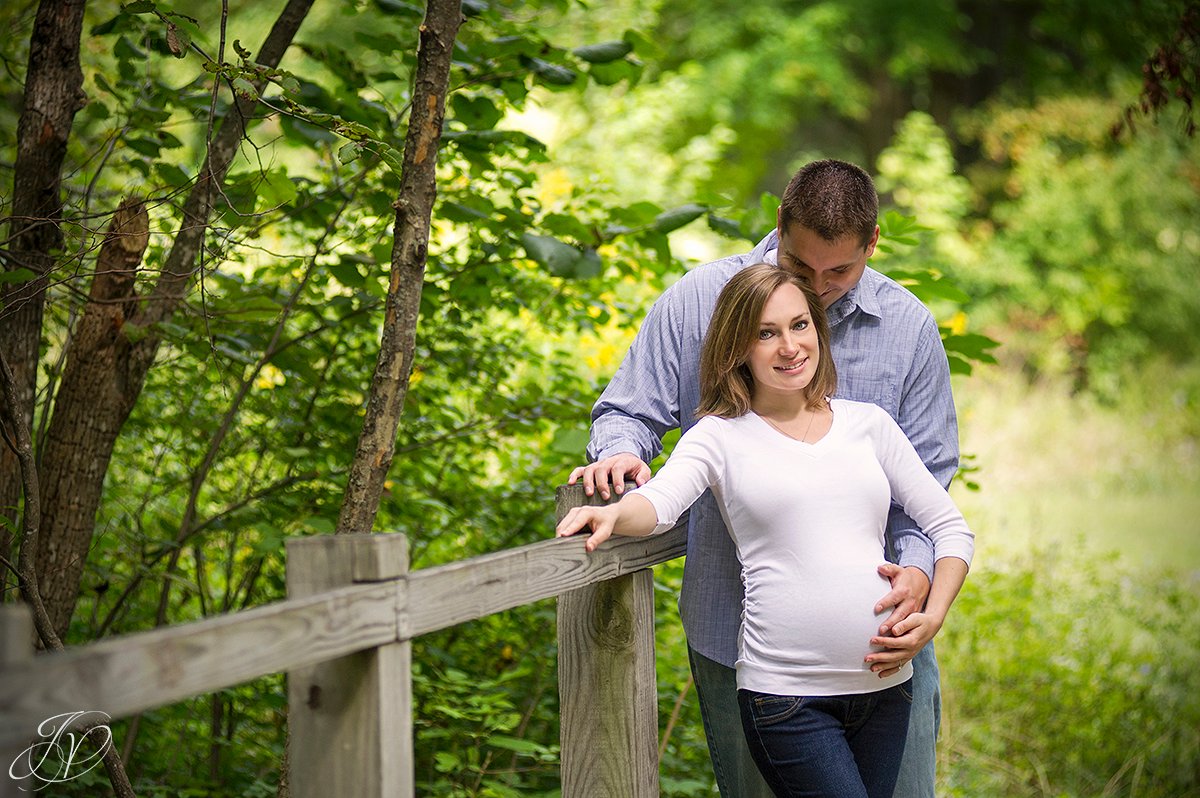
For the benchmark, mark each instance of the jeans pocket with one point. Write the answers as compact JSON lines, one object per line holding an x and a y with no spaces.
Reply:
{"x":906,"y":690}
{"x":770,"y":709}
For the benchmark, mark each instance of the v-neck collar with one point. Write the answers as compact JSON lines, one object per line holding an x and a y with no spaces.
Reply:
{"x":813,"y":447}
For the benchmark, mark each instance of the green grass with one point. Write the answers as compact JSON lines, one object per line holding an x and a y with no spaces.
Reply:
{"x":1057,"y":469}
{"x":1069,"y":662}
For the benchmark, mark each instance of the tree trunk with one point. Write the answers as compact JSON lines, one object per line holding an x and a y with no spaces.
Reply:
{"x":414,"y":207}
{"x":53,"y":94}
{"x":95,"y":396}
{"x":22,"y":444}
{"x":87,"y":420}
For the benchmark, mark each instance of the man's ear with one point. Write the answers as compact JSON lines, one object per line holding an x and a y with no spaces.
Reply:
{"x":874,"y":240}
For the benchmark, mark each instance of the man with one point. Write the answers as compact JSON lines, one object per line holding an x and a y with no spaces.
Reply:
{"x":887,"y":350}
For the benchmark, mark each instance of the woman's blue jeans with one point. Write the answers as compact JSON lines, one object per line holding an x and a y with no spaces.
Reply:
{"x":842,"y":746}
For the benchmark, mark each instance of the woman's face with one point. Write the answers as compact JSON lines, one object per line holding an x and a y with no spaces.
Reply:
{"x":784,"y":356}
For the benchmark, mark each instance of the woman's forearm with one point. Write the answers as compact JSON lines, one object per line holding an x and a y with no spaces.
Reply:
{"x":636,"y":516}
{"x":949,"y":573}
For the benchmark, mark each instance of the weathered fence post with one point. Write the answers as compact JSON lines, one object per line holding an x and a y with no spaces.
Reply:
{"x":606,"y":682}
{"x":350,"y":720}
{"x":16,"y":646}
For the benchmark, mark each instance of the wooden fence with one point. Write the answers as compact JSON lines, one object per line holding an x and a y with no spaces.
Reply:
{"x":343,"y":637}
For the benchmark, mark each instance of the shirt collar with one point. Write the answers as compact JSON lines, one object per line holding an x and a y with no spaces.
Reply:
{"x":765,"y":251}
{"x":864,"y":296}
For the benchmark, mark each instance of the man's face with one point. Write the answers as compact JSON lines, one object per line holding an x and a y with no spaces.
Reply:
{"x":831,"y":267}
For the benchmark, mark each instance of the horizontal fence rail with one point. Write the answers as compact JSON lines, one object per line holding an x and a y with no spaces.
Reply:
{"x":124,"y":675}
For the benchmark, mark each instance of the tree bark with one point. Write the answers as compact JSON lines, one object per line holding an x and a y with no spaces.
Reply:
{"x":22,"y":447}
{"x":53,"y":94}
{"x":410,"y":245}
{"x":87,"y":420}
{"x":94,"y":397}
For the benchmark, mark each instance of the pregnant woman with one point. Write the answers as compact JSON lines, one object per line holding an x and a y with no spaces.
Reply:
{"x":804,"y":484}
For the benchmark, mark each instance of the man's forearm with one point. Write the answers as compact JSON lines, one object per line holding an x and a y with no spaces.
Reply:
{"x":911,"y":547}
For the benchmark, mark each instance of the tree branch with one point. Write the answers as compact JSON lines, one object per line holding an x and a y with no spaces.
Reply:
{"x":414,"y":208}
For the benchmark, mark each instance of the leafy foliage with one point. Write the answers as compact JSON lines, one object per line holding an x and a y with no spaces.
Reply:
{"x":1116,"y":707}
{"x":676,"y":122}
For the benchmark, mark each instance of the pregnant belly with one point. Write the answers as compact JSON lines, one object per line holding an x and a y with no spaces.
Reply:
{"x":819,"y":621}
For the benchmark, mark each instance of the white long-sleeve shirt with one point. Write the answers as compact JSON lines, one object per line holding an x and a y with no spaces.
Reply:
{"x":808,"y":523}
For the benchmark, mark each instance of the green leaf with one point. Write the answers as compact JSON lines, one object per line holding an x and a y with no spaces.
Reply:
{"x":354,"y":130}
{"x":958,"y":365}
{"x":139,"y":7}
{"x":346,"y":272}
{"x":770,"y":205}
{"x":457,"y":212}
{"x":590,"y":265}
{"x":477,"y":113}
{"x":348,"y":153}
{"x":399,"y":8}
{"x":474,"y":8}
{"x":675,"y":218}
{"x":604,"y":52}
{"x":550,"y":74}
{"x":447,"y":763}
{"x":277,"y":188}
{"x":927,"y":287}
{"x":392,"y":157}
{"x":970,"y":345}
{"x":143,"y":146}
{"x":251,"y":309}
{"x":614,"y":72}
{"x":245,"y":88}
{"x":726,"y":227}
{"x":171,"y":174}
{"x":125,"y":50}
{"x":556,"y":256}
{"x":642,"y":45}
{"x":322,"y":526}
{"x":21,"y":275}
{"x":515,"y":745}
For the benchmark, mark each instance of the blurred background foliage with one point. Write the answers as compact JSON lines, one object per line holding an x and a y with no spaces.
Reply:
{"x":593,"y":152}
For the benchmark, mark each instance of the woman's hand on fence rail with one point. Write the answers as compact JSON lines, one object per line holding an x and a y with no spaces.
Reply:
{"x":600,"y":521}
{"x":634,"y":515}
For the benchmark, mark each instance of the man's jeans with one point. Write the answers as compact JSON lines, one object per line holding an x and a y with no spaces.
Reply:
{"x":737,"y":775}
{"x":838,"y":746}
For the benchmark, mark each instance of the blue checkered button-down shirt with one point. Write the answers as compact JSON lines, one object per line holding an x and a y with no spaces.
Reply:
{"x":888,"y":352}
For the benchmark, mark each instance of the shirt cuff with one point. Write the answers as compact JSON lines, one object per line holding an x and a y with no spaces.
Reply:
{"x":916,"y":557}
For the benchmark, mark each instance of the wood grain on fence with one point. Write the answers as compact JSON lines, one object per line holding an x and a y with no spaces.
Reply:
{"x":350,"y":719}
{"x":606,"y":681}
{"x":133,"y":673}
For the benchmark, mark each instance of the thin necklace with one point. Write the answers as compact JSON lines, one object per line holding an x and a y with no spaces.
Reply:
{"x":812,"y":414}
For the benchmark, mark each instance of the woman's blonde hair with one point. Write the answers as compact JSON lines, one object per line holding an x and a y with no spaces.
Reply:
{"x":726,"y":385}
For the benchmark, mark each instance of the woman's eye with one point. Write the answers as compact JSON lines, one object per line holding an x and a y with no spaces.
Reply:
{"x":764,"y":335}
{"x":800,"y":325}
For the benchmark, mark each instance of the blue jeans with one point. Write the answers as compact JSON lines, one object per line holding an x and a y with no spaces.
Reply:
{"x":734,"y":768}
{"x":839,"y":746}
